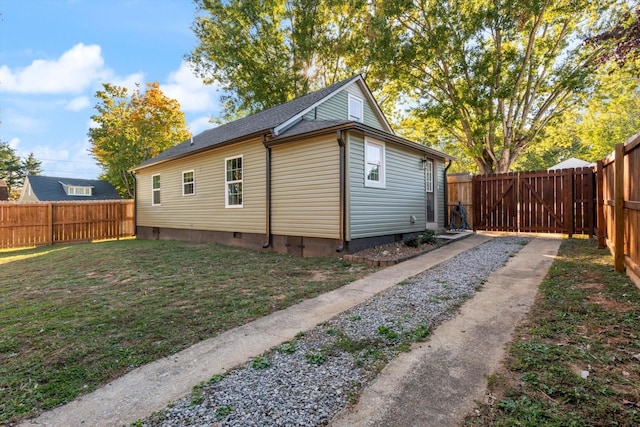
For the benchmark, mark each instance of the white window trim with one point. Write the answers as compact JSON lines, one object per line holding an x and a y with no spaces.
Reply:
{"x":192,"y":182}
{"x":353,"y":116}
{"x":226,"y":183}
{"x":78,"y":190}
{"x":153,"y":191}
{"x":383,"y":167}
{"x":428,"y":171}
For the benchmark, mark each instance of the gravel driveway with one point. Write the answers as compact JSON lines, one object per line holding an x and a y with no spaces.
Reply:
{"x":306,"y":381}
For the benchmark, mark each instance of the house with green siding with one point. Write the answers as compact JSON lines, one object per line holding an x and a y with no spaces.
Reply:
{"x":321,"y":175}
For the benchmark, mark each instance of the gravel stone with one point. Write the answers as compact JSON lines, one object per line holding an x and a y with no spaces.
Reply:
{"x":324,"y":369}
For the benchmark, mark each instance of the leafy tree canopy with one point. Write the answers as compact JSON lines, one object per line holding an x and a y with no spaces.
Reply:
{"x":13,"y":170}
{"x":264,"y":53}
{"x":482,"y":78}
{"x":492,"y":74}
{"x":131,"y":128}
{"x":620,"y":43}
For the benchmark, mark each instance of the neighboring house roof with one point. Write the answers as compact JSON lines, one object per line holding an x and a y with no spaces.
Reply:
{"x":280,"y":121}
{"x":4,"y":191}
{"x":571,"y":163}
{"x":51,"y":189}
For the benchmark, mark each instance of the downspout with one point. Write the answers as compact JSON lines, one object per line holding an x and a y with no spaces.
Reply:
{"x":343,"y":201}
{"x":268,"y":202}
{"x":135,"y":204}
{"x":446,"y":195}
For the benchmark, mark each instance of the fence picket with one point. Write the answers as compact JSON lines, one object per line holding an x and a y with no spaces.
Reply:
{"x":33,"y":224}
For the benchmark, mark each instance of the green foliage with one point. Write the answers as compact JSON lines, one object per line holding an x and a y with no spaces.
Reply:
{"x":387,"y":332}
{"x":315,"y":358}
{"x":490,"y":75}
{"x":260,"y":363}
{"x":428,"y":237}
{"x":269,"y":52}
{"x":31,"y":165}
{"x":412,"y":242}
{"x":288,"y":347}
{"x":13,"y":170}
{"x":216,"y":378}
{"x":132,"y":307}
{"x":574,"y":327}
{"x":131,"y":128}
{"x":223,"y":412}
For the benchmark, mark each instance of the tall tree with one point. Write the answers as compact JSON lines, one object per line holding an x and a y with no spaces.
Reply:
{"x":491,"y":73}
{"x":31,"y":165}
{"x":10,"y":168}
{"x":267,"y":52}
{"x":131,"y":129}
{"x":620,"y":43}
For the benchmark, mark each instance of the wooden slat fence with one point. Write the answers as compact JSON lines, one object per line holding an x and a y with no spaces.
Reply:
{"x":535,"y":202}
{"x":459,"y":191}
{"x":46,"y":223}
{"x":619,"y":206}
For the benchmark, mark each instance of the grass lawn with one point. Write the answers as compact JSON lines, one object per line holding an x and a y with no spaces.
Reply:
{"x":575,"y":361}
{"x":73,"y":317}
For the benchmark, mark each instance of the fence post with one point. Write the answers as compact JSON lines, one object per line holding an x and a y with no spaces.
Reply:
{"x":600,"y":225}
{"x":50,"y":224}
{"x":618,"y":210}
{"x":118,"y":219}
{"x":475,"y":200}
{"x":568,"y":201}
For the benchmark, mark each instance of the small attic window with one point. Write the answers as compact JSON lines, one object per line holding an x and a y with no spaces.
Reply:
{"x":77,"y":190}
{"x":355,"y":108}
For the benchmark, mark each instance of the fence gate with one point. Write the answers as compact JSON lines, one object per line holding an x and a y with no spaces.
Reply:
{"x":537,"y":202}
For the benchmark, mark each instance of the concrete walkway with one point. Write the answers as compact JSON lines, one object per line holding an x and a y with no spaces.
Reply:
{"x":151,"y":387}
{"x":437,"y":383}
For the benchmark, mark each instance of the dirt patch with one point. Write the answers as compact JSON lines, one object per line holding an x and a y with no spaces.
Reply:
{"x":392,"y":253}
{"x":610,"y":305}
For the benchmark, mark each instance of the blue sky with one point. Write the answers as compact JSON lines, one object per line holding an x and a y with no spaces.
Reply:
{"x":55,"y":54}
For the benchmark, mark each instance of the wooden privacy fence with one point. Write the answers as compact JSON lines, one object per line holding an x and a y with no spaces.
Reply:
{"x":459,"y":191}
{"x":46,"y":223}
{"x":619,"y":206}
{"x":535,"y":202}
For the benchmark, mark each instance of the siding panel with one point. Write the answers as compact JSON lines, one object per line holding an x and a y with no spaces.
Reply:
{"x":337,"y":108}
{"x":205,"y":210}
{"x":383,"y":211}
{"x":440,"y":202}
{"x":305,"y":195}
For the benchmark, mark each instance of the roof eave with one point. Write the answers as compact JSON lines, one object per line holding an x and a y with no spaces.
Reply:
{"x":264,"y":132}
{"x":366,"y":130}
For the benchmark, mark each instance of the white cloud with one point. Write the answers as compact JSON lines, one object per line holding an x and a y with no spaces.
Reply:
{"x":129,"y":82}
{"x":74,"y":71}
{"x":14,"y":142}
{"x":201,"y":124}
{"x":191,"y":93}
{"x":78,"y":103}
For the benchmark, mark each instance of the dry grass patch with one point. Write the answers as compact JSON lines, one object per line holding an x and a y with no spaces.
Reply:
{"x":575,"y":360}
{"x":74,"y":317}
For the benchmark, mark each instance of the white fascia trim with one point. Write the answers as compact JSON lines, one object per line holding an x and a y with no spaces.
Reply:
{"x":276,"y":130}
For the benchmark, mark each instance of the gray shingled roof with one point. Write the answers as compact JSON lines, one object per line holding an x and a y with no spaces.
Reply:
{"x":257,"y":123}
{"x":50,"y":189}
{"x":313,"y":126}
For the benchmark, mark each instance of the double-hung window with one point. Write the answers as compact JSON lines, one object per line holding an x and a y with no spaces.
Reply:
{"x":155,"y":190}
{"x":374,"y":167}
{"x":233,"y":182}
{"x":188,"y":183}
{"x":355,"y":109}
